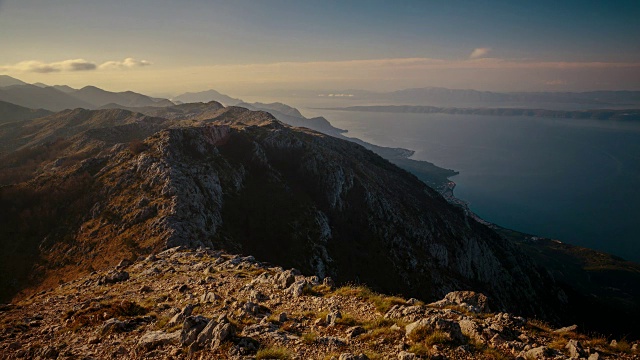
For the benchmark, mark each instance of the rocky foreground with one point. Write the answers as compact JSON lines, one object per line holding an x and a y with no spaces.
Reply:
{"x":208,"y":304}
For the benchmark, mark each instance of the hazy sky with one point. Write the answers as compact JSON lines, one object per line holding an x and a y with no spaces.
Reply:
{"x":248,"y":47}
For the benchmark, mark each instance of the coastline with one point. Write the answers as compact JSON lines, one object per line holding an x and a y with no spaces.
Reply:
{"x":446,"y":191}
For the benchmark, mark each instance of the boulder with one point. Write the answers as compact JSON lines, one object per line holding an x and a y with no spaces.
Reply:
{"x":327,"y":281}
{"x":348,"y":356}
{"x":471,"y":300}
{"x":354,"y":331}
{"x":179,"y":317}
{"x":209,"y":297}
{"x":284,"y":279}
{"x":331,"y":317}
{"x":471,"y":330}
{"x":403,"y":355}
{"x":540,"y":352}
{"x":575,"y":348}
{"x":153,"y":339}
{"x":566,"y":329}
{"x":297,"y":288}
{"x":191,"y":327}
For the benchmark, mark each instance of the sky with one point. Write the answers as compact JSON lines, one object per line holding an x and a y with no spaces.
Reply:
{"x":251,"y":47}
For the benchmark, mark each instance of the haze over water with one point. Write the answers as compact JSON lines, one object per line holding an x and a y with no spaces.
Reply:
{"x":572,"y":180}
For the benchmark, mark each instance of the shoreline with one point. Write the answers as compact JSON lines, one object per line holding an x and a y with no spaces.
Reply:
{"x":446,"y":191}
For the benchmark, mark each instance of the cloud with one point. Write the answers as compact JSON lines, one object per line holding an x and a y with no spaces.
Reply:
{"x":478,"y":53}
{"x":43,"y":68}
{"x":35,"y":66}
{"x":127,"y":63}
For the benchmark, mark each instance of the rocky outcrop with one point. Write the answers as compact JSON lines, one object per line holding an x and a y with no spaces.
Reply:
{"x":80,"y":319}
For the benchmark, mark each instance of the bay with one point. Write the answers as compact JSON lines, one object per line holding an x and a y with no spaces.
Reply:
{"x":577,"y":181}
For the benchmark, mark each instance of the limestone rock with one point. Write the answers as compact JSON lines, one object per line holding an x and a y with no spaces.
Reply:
{"x":404,"y":355}
{"x":354,"y":331}
{"x":191,"y":328}
{"x":153,"y":339}
{"x":297,"y":288}
{"x":474,"y":302}
{"x":575,"y":348}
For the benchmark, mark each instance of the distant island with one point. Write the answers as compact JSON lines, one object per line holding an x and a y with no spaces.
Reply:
{"x":596,"y":114}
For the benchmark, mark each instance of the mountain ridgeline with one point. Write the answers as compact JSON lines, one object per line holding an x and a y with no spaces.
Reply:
{"x":244,"y":181}
{"x":104,"y":185}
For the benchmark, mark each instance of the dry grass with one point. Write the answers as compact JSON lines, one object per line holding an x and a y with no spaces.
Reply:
{"x":420,"y":349}
{"x":309,"y":337}
{"x":348,"y":320}
{"x":382,"y":322}
{"x":381,"y":302}
{"x":280,"y":353}
{"x":380,"y":333}
{"x":538,"y":326}
{"x":621,"y":346}
{"x":428,"y":337}
{"x":558,"y":343}
{"x":317,"y":290}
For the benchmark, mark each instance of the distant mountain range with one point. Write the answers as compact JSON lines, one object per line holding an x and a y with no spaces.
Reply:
{"x":596,"y":114}
{"x":60,"y":97}
{"x":206,"y":96}
{"x":435,"y":96}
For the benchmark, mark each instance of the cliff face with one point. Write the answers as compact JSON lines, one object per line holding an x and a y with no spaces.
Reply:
{"x":242,"y":181}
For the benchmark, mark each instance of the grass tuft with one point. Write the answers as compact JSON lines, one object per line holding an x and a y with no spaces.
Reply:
{"x":280,"y":353}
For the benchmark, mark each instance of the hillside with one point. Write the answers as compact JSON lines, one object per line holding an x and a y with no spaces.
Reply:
{"x":347,"y":209}
{"x":35,"y":97}
{"x":212,"y":304}
{"x":98,"y":97}
{"x":10,"y":112}
{"x":234,"y":179}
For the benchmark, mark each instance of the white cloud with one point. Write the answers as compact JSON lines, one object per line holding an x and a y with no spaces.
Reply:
{"x":35,"y":66}
{"x":42,"y":67}
{"x":127,"y":63}
{"x":478,"y":53}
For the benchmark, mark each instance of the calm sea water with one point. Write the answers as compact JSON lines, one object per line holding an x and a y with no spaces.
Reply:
{"x":573,"y":180}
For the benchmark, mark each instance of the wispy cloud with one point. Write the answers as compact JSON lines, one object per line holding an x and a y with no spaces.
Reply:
{"x":35,"y":66}
{"x":127,"y":63}
{"x":478,"y":53}
{"x":42,"y":67}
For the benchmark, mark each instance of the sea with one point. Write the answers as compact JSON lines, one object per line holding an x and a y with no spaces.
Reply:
{"x":577,"y":181}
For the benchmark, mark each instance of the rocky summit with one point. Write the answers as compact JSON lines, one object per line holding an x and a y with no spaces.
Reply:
{"x":205,"y":304}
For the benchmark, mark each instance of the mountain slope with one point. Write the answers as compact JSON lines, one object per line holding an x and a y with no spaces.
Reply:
{"x":240,"y":180}
{"x":35,"y":97}
{"x":215,"y":305}
{"x":257,"y":186}
{"x":99,"y":97}
{"x":11,"y":112}
{"x":66,"y":124}
{"x":206,"y":96}
{"x":6,"y":80}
